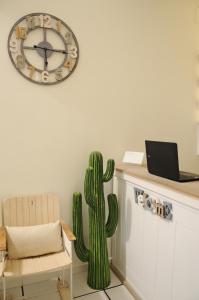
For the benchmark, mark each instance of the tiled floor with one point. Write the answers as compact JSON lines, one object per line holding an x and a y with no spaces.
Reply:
{"x":114,"y":293}
{"x":116,"y":290}
{"x":80,"y":286}
{"x":46,"y":290}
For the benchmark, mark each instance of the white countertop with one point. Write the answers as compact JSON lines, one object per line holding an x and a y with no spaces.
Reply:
{"x":186,"y":189}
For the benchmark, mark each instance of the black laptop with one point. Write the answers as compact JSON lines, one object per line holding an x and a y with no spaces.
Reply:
{"x":162,"y":160}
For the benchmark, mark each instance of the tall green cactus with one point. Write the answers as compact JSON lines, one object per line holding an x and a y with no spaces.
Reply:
{"x":99,"y":229}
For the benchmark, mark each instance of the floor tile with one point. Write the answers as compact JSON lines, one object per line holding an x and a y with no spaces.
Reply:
{"x":114,"y":280}
{"x":51,"y":296}
{"x":95,"y":296}
{"x":14,"y":292}
{"x":41,"y":288}
{"x":80,"y":286}
{"x":119,"y":293}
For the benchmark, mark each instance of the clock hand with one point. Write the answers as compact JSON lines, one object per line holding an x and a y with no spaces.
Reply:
{"x":52,"y":50}
{"x":44,"y":32}
{"x":45,"y":60}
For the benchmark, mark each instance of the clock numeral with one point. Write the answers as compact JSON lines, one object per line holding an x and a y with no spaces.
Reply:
{"x":14,"y":46}
{"x":37,"y":21}
{"x":31,"y":22}
{"x":32,"y":71}
{"x":58,"y":74}
{"x":45,"y":21}
{"x":58,"y":26}
{"x":69,"y":64}
{"x":45,"y":76}
{"x":21,"y":33}
{"x":41,"y":20}
{"x":20,"y":61}
{"x":68,"y":37}
{"x":73,"y":52}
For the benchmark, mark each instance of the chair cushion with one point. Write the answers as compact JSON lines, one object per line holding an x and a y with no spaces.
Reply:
{"x":35,"y":265}
{"x":30,"y":241}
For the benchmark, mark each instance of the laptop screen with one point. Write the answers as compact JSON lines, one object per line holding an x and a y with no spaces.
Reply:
{"x":162,"y":159}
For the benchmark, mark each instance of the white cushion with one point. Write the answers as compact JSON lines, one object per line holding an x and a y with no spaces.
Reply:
{"x":30,"y":241}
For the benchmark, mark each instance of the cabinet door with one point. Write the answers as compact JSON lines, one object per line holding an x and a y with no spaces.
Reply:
{"x":141,"y":245}
{"x":186,"y":255}
{"x":134,"y":238}
{"x":118,"y":240}
{"x":164,"y":263}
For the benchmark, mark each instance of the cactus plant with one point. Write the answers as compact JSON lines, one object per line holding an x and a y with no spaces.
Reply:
{"x":99,"y":230}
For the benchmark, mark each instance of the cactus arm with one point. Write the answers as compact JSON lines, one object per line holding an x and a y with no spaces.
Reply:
{"x":109,"y":170}
{"x":80,"y":248}
{"x":88,"y":188}
{"x":113,"y":215}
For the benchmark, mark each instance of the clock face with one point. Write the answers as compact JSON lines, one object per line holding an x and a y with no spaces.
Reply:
{"x":43,"y":48}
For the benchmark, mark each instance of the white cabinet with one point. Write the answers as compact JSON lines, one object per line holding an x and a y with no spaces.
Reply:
{"x":186,"y":255}
{"x":159,"y":258}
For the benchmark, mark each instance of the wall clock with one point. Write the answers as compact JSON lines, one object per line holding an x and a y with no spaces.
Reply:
{"x":43,"y":48}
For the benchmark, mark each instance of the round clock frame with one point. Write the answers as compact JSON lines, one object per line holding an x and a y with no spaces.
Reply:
{"x":43,"y":48}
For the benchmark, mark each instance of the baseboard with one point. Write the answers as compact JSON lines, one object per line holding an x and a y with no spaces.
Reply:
{"x":134,"y":292}
{"x":117,"y":273}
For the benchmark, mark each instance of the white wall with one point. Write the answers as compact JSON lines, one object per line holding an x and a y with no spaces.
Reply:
{"x":135,"y":81}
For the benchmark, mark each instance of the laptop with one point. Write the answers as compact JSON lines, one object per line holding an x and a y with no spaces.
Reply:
{"x":162,"y":160}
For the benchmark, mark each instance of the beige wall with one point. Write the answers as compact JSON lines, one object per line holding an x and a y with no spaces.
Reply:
{"x":134,"y":81}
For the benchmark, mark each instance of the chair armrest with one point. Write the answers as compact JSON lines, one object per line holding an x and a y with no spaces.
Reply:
{"x":68,"y":231}
{"x":2,"y":239}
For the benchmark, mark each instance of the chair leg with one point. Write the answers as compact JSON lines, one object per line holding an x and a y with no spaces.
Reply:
{"x":65,"y":289}
{"x":4,"y":287}
{"x":71,"y":282}
{"x":63,"y":277}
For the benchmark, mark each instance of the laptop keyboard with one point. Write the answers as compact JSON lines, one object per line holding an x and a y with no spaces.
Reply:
{"x":184,"y":175}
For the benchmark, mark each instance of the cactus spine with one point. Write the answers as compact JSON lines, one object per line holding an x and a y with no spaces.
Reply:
{"x":99,"y":229}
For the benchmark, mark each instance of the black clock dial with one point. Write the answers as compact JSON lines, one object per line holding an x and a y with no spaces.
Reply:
{"x":43,"y":48}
